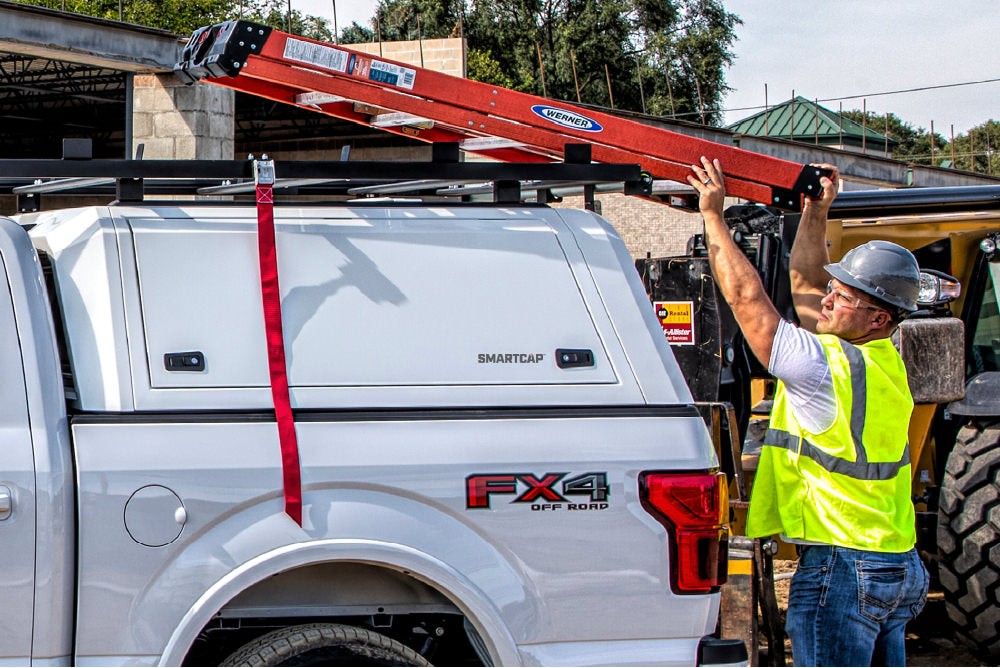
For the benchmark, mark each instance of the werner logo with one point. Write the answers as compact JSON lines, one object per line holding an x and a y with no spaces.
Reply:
{"x":567,"y":119}
{"x":540,"y":492}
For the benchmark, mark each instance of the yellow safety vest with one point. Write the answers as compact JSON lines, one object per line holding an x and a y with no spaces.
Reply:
{"x":849,"y":485}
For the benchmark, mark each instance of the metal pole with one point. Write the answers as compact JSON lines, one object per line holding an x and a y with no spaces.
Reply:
{"x":841,"y":117}
{"x":767,"y":114}
{"x":288,"y":17}
{"x":541,"y":67}
{"x":887,"y":134}
{"x":129,"y":111}
{"x":953,"y":165}
{"x":420,"y":40}
{"x":670,"y":94}
{"x":336,"y":39}
{"x":816,"y":121}
{"x":972,"y":150}
{"x":607,"y":75}
{"x":576,"y":83}
{"x":932,"y":143}
{"x":701,"y":105}
{"x":638,"y":74}
{"x":864,"y":126}
{"x":989,"y":156}
{"x":791,"y":122}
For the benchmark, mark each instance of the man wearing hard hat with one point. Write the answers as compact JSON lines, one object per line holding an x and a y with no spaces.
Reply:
{"x":834,"y":472}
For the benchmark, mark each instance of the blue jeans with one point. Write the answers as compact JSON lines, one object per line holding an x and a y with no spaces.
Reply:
{"x":850,"y":607}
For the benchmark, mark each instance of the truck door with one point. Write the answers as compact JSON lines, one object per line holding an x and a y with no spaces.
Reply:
{"x":17,"y":491}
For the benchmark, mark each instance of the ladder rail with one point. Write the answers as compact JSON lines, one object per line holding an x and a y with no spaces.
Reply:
{"x":285,"y":68}
{"x":297,"y":79}
{"x":474,"y":96}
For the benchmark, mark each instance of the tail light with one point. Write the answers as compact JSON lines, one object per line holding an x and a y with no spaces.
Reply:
{"x":694,"y":509}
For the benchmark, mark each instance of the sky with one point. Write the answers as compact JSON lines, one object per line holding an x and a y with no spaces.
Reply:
{"x":845,"y":51}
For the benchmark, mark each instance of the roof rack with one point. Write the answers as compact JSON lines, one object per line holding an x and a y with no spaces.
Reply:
{"x":443,"y":177}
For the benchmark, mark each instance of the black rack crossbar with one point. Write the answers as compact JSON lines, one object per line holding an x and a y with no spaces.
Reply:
{"x":60,"y":185}
{"x":325,"y":170}
{"x":533,"y":186}
{"x":247,"y":187}
{"x":440,"y":186}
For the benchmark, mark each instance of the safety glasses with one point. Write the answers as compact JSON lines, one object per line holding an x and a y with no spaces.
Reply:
{"x":841,"y":298}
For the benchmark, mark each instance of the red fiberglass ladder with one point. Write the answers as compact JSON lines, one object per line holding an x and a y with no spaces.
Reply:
{"x":488,"y":120}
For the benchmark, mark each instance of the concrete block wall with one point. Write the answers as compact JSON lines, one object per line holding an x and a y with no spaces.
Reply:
{"x":314,"y":150}
{"x":645,"y":227}
{"x":175,"y":121}
{"x":442,"y":55}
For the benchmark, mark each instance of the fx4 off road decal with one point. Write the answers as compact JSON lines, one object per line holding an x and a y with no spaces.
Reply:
{"x":583,"y":492}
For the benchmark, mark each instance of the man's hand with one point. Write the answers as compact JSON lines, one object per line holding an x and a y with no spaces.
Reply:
{"x":710,"y":183}
{"x":831,"y":186}
{"x":809,"y":253}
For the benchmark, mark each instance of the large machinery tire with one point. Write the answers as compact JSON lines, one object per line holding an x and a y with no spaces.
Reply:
{"x":324,"y":645}
{"x":969,"y":537}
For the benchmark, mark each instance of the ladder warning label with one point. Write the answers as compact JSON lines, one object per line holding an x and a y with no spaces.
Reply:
{"x":316,"y":54}
{"x":394,"y":75}
{"x":677,"y":320}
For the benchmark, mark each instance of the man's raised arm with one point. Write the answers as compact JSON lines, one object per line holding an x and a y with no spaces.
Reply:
{"x":809,"y":254}
{"x":736,"y":278}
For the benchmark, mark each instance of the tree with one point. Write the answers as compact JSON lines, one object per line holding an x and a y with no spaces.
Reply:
{"x":662,"y":57}
{"x":914,"y":143}
{"x":977,"y":150}
{"x":179,"y":16}
{"x":185,"y":16}
{"x":274,"y":13}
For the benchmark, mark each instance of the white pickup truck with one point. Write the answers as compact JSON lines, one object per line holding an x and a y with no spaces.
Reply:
{"x":500,"y":461}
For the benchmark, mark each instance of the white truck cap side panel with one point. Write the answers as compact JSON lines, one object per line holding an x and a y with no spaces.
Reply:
{"x":446,"y":292}
{"x":423,"y":300}
{"x":383,"y":307}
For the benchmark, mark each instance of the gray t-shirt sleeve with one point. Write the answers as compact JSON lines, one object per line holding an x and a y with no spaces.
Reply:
{"x":798,"y":359}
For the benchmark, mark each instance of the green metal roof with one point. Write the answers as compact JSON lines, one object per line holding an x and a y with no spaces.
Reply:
{"x":803,"y":120}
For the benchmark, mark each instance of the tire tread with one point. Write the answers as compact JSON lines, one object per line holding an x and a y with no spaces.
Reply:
{"x":283,"y":645}
{"x":967,"y":539}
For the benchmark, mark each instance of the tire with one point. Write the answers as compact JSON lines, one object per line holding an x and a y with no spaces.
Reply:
{"x":324,"y":645}
{"x":969,"y":538}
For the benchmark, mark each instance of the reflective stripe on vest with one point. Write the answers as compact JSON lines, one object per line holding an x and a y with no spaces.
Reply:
{"x":860,"y":468}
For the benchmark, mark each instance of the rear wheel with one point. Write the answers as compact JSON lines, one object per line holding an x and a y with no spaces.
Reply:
{"x":969,"y":537}
{"x":324,"y":645}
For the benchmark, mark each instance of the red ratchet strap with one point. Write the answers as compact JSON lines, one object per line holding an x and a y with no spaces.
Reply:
{"x":263,"y":171}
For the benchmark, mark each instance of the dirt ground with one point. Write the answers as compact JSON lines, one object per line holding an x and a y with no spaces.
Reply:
{"x":929,"y":638}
